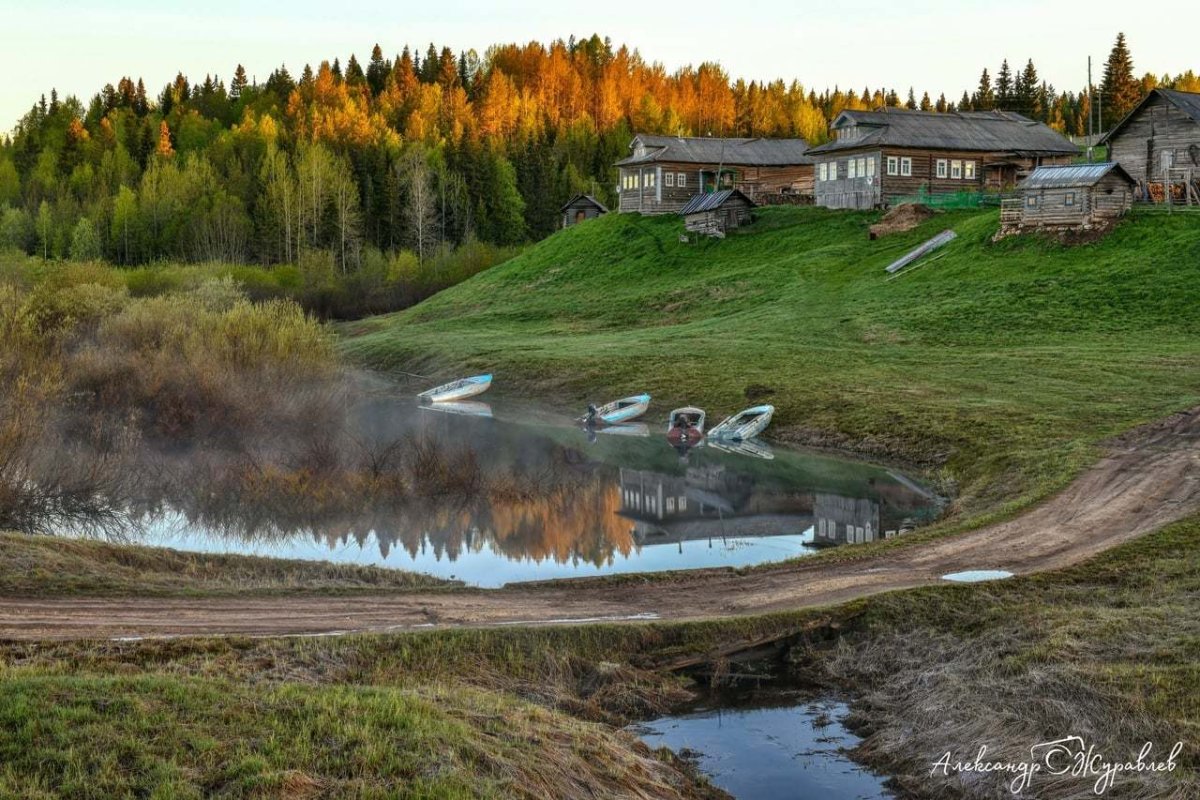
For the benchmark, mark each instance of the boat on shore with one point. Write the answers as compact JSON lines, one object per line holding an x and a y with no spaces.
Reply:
{"x":745,"y":424}
{"x":685,"y":426}
{"x":460,"y":389}
{"x":618,"y":411}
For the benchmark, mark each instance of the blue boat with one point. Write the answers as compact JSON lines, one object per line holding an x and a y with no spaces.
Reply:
{"x":618,"y":411}
{"x":457,"y":390}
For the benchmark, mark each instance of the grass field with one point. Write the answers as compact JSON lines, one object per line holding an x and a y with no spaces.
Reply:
{"x":1000,"y":364}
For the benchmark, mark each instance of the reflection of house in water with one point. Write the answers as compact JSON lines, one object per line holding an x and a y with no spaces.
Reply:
{"x":845,"y":520}
{"x":706,"y":502}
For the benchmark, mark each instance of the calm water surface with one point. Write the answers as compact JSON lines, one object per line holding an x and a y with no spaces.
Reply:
{"x":543,"y":500}
{"x":772,"y":747}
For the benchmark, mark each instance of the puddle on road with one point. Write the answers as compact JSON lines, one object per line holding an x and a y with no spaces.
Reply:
{"x":977,"y":575}
{"x":490,"y":499}
{"x":768,"y":746}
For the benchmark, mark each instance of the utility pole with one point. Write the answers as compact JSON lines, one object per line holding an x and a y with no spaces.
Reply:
{"x":1091,"y":102}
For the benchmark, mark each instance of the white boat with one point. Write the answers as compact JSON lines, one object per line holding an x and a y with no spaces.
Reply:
{"x":618,"y":411}
{"x":468,"y":408}
{"x":744,"y":424}
{"x":457,"y":390}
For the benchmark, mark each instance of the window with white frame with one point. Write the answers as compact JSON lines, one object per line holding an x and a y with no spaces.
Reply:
{"x":852,"y":168}
{"x":862,"y":167}
{"x":942,"y":167}
{"x":893,"y":165}
{"x":681,"y":180}
{"x":969,"y":170}
{"x":871,"y":167}
{"x":956,"y":170}
{"x":669,"y":179}
{"x":833,"y":170}
{"x":906,"y":167}
{"x":823,"y":172}
{"x":649,"y":180}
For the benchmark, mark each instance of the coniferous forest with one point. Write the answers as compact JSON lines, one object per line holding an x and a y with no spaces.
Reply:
{"x":412,"y":155}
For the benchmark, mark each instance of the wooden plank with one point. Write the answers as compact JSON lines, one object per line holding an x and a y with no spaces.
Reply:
{"x":943,"y":238}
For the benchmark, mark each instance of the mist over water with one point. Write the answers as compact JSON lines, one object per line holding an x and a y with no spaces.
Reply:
{"x":486,"y":495}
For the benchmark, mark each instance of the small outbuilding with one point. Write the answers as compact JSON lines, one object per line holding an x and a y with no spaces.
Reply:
{"x":581,"y":207}
{"x":717,"y":213}
{"x":1075,"y":197}
{"x":1158,"y":144}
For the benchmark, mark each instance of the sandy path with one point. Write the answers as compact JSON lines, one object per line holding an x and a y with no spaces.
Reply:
{"x":1148,"y":479}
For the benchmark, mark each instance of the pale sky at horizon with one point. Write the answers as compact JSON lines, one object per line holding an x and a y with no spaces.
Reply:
{"x":937,"y":45}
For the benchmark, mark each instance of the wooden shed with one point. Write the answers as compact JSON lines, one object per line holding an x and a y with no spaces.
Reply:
{"x":579,"y":208}
{"x":717,"y":213}
{"x":1158,"y":144}
{"x":1076,"y":197}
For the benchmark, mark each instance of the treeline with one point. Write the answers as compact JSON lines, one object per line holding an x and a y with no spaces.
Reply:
{"x":347,"y":164}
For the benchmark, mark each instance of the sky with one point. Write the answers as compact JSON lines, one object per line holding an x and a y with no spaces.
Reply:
{"x":77,"y":46}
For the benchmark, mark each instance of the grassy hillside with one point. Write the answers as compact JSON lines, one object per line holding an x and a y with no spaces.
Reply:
{"x":1003,"y":363}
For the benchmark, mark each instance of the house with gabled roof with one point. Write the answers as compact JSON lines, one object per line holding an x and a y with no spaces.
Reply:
{"x":878,"y":156}
{"x":662,"y":173}
{"x":1159,"y":139}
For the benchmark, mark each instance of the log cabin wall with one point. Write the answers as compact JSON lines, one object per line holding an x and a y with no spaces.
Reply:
{"x":665,"y":187}
{"x":1157,"y":128}
{"x":1077,"y":206}
{"x":903,"y":172}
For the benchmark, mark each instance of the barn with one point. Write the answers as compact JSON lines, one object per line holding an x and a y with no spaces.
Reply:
{"x":1075,"y":197}
{"x":717,"y":213}
{"x":1158,"y":143}
{"x":580,"y":208}
{"x":662,"y":173}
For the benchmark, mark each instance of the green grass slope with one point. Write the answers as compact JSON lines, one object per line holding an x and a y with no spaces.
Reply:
{"x":1003,"y":363}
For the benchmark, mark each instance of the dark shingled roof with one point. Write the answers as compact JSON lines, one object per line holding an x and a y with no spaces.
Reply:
{"x":707,"y":202}
{"x":587,"y":198}
{"x":1073,"y":176}
{"x":982,"y":131}
{"x":1187,"y":102}
{"x":707,"y":150}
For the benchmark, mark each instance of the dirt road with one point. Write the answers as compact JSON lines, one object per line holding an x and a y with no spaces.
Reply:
{"x":1148,"y":479}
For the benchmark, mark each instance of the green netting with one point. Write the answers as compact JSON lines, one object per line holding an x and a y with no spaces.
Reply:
{"x":950,"y":200}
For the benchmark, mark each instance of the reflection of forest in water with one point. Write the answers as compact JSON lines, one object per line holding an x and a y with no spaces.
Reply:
{"x":381,"y":474}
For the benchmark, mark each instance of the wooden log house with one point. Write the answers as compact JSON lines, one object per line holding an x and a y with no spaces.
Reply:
{"x":878,"y":156}
{"x":662,"y":173}
{"x":1075,"y":197}
{"x":1158,"y":143}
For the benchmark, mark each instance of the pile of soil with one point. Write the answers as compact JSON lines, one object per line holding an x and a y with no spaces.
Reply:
{"x":900,"y":219}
